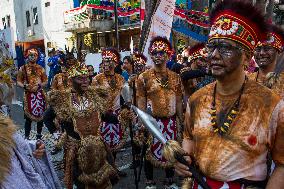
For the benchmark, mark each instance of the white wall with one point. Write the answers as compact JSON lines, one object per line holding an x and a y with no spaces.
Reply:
{"x":53,"y":21}
{"x":96,"y":59}
{"x":7,"y":8}
{"x":20,"y":7}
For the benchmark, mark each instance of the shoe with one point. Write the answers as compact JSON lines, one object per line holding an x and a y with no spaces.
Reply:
{"x":172,"y":186}
{"x":122,"y":174}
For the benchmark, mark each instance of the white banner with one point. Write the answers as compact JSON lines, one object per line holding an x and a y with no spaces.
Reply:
{"x":161,"y":24}
{"x":7,"y":43}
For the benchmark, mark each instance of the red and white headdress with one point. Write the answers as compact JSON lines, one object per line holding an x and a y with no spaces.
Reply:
{"x":111,"y":54}
{"x":238,"y":21}
{"x":160,"y":44}
{"x":275,"y":38}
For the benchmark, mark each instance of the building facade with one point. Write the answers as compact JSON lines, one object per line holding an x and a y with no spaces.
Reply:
{"x":35,"y":23}
{"x":93,"y":24}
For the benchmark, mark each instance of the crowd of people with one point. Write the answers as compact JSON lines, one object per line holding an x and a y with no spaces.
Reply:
{"x":227,"y":113}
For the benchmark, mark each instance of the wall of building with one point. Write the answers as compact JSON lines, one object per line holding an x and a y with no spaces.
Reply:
{"x":33,"y":32}
{"x":53,"y":22}
{"x":7,"y":9}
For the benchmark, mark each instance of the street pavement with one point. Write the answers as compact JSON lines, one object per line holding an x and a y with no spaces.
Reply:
{"x":124,"y":156}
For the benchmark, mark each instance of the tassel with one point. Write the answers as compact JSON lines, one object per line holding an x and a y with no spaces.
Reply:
{"x":170,"y":149}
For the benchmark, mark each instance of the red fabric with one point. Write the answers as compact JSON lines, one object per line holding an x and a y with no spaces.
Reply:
{"x":219,"y":185}
{"x":169,"y":130}
{"x":36,"y":103}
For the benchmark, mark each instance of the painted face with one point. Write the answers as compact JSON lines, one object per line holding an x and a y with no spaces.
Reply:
{"x":81,"y":83}
{"x":32,"y":57}
{"x":108,"y":65}
{"x":265,"y":55}
{"x":224,"y":56}
{"x":159,"y":57}
{"x":139,"y":67}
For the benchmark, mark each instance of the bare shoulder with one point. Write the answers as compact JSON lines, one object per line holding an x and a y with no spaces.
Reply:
{"x":203,"y":92}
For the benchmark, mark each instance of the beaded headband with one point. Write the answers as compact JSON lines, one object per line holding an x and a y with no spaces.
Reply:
{"x":274,"y":40}
{"x":77,"y":69}
{"x":140,"y":58}
{"x":229,"y":25}
{"x":110,"y":55}
{"x":30,"y":51}
{"x":160,"y":46}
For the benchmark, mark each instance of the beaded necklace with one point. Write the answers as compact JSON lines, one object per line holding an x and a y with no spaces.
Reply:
{"x":163,"y":83}
{"x":231,"y":115}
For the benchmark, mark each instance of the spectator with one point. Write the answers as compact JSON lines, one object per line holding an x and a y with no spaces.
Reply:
{"x":53,"y":63}
{"x":92,"y":74}
{"x":127,"y":67}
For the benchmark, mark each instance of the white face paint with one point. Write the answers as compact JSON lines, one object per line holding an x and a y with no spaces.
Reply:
{"x":32,"y":57}
{"x":108,"y":65}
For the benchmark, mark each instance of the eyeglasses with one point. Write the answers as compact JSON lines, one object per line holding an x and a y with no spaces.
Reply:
{"x":223,"y":48}
{"x":264,"y":48}
{"x":158,"y":53}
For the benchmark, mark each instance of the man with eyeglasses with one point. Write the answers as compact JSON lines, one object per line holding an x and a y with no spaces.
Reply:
{"x":267,"y":54}
{"x":159,"y":93}
{"x":231,"y":124}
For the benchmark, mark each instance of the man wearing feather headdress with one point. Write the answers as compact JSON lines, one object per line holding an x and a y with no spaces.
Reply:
{"x":33,"y":79}
{"x":79,"y":109}
{"x":159,"y":93}
{"x":113,"y":129}
{"x":231,"y":124}
{"x":268,"y":57}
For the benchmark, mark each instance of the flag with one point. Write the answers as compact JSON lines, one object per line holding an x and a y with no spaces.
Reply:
{"x":142,"y":12}
{"x":161,"y":24}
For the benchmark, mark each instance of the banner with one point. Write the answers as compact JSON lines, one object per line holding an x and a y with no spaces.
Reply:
{"x":161,"y":24}
{"x":7,"y":43}
{"x":142,"y":12}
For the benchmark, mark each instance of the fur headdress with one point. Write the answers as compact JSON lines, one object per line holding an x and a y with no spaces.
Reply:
{"x":238,"y":21}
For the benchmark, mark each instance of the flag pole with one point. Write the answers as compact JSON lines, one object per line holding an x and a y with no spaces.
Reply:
{"x":116,"y":25}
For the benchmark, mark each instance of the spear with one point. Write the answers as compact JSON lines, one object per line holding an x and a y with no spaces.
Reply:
{"x":171,"y":150}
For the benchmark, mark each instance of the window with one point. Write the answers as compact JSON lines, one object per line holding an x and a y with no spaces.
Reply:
{"x":9,"y":21}
{"x":35,"y":21}
{"x":28,"y":18}
{"x":47,"y":4}
{"x":4,"y":22}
